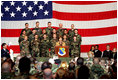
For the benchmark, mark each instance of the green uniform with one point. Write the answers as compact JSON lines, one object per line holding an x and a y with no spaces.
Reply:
{"x":67,"y":42}
{"x":71,"y":34}
{"x":28,"y":31}
{"x":75,"y":49}
{"x":7,"y":75}
{"x":60,"y":32}
{"x":44,"y":48}
{"x":97,"y":71}
{"x":21,"y":38}
{"x":35,"y":45}
{"x":24,"y":48}
{"x":31,"y":37}
{"x":41,"y":37}
{"x":53,"y":44}
{"x":49,"y":32}
{"x":38,"y":31}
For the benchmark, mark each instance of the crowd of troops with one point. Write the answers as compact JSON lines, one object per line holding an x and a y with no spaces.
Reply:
{"x":41,"y":42}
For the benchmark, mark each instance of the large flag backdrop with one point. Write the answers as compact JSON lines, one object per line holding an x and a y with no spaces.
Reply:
{"x":96,"y":21}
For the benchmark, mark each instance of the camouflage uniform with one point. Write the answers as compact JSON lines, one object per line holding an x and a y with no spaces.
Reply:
{"x":75,"y":49}
{"x":71,"y":34}
{"x":97,"y":71}
{"x":67,"y":42}
{"x":21,"y":38}
{"x":49,"y":32}
{"x":38,"y":31}
{"x":66,"y":36}
{"x":35,"y":48}
{"x":53,"y":44}
{"x":41,"y":37}
{"x":60,"y":32}
{"x":7,"y":75}
{"x":24,"y":48}
{"x":44,"y":48}
{"x":28,"y":31}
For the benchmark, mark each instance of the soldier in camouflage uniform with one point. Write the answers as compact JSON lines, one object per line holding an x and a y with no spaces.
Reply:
{"x":67,"y":42}
{"x":24,"y":47}
{"x":44,"y":46}
{"x":53,"y":32}
{"x":53,"y":43}
{"x":60,"y":30}
{"x":31,"y":36}
{"x":27,"y":30}
{"x":38,"y":30}
{"x":66,"y":33}
{"x":35,"y":45}
{"x":79,"y":39}
{"x":71,"y":32}
{"x":44,"y":32}
{"x":75,"y":48}
{"x":49,"y":30}
{"x":21,"y":38}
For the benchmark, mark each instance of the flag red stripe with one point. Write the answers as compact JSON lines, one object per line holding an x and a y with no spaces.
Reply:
{"x":82,"y":32}
{"x":85,"y":16}
{"x":82,"y":2}
{"x":84,"y":48}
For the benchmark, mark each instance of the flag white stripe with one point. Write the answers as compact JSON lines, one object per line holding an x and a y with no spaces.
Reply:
{"x":85,"y":40}
{"x":55,"y":22}
{"x":84,"y":8}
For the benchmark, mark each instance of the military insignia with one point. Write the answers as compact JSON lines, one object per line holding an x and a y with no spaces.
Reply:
{"x":62,"y":51}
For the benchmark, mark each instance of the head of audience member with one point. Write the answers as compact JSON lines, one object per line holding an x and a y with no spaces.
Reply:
{"x":25,"y":38}
{"x":9,"y":60}
{"x":33,"y":31}
{"x":80,"y":61}
{"x":83,"y":72}
{"x":49,"y":24}
{"x":72,"y":26}
{"x":46,"y":65}
{"x":37,"y":24}
{"x":4,"y":45}
{"x":26,"y":25}
{"x":96,"y":47}
{"x":96,"y":61}
{"x":18,"y":59}
{"x":92,"y":48}
{"x":44,"y":36}
{"x":108,"y":47}
{"x":36,"y":36}
{"x":114,"y":50}
{"x":54,"y":36}
{"x":65,"y":31}
{"x":47,"y":73}
{"x":60,"y":74}
{"x":75,"y":38}
{"x":24,"y":65}
{"x":71,"y":66}
{"x":54,"y":31}
{"x":6,"y":67}
{"x":76,"y":31}
{"x":64,"y":37}
{"x":60,"y":25}
{"x":44,"y":31}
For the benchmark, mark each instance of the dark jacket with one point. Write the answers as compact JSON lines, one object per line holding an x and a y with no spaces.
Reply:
{"x":5,"y":53}
{"x":97,"y":53}
{"x":108,"y":54}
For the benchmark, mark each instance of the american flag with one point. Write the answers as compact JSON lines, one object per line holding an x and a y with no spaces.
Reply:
{"x":96,"y":21}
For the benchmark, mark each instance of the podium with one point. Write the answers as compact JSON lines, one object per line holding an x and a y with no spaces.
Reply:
{"x":62,"y":51}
